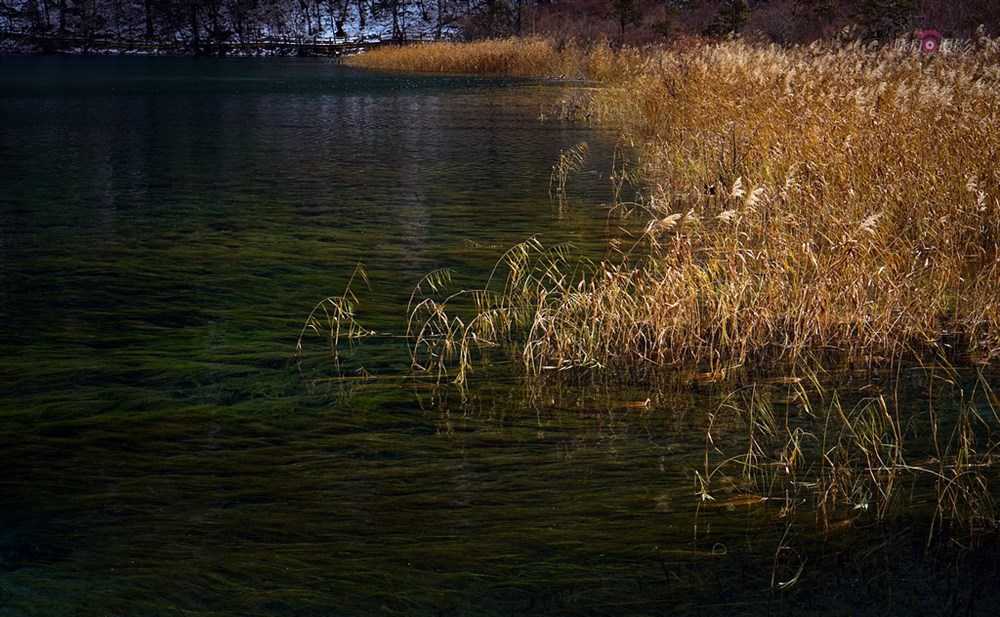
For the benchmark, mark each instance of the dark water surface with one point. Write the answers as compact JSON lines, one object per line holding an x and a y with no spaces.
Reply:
{"x":166,"y":227}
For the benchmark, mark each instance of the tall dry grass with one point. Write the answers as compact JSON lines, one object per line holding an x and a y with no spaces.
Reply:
{"x":510,"y":57}
{"x":823,"y":198}
{"x":805,"y":202}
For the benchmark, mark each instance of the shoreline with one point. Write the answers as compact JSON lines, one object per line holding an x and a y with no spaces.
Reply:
{"x":790,"y":213}
{"x":276,"y":47}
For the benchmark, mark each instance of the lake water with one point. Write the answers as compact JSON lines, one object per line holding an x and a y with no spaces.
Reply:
{"x":167,"y":225}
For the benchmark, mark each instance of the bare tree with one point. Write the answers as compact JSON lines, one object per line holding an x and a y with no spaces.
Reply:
{"x":885,"y":18}
{"x":626,"y":13}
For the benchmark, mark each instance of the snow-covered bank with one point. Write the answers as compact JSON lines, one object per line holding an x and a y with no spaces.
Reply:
{"x":225,"y":27}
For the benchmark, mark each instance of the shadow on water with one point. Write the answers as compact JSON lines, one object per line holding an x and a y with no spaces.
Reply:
{"x":564,"y":496}
{"x":168,"y":224}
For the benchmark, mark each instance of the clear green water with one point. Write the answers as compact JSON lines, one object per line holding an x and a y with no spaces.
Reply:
{"x":166,"y":225}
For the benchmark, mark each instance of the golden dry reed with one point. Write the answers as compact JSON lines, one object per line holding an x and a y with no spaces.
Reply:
{"x":511,"y":57}
{"x":832,"y":200}
{"x":824,"y":198}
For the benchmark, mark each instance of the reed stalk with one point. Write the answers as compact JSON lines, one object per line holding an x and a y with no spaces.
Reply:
{"x":863,"y":461}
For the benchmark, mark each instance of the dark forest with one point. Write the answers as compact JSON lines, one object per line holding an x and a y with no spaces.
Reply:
{"x":246,"y":26}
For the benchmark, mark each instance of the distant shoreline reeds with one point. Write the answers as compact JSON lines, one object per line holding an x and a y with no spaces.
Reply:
{"x":830,"y":200}
{"x":510,"y":57}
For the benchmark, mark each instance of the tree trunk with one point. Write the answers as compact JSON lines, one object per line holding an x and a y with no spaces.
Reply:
{"x":62,"y":18}
{"x":148,"y":9}
{"x":195,"y":34}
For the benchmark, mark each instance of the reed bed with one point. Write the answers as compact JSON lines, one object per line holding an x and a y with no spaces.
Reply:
{"x":817,"y":199}
{"x":801,"y":204}
{"x":510,"y":57}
